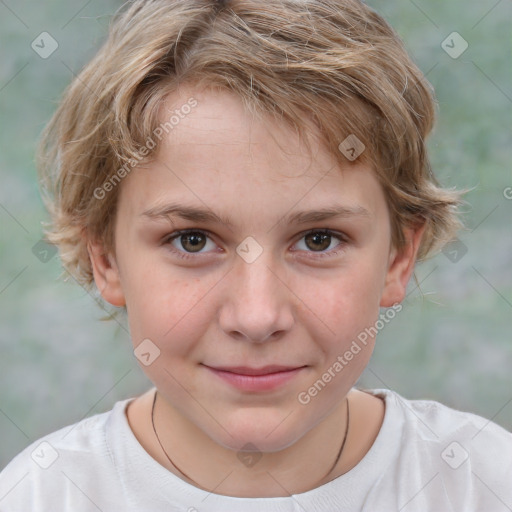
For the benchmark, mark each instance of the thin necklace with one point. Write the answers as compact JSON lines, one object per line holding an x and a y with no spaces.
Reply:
{"x":184,"y":474}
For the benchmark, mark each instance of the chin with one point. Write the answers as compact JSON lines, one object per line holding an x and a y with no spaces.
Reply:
{"x":258,"y":432}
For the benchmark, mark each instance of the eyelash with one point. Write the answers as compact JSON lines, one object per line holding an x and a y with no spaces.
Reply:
{"x":317,"y":255}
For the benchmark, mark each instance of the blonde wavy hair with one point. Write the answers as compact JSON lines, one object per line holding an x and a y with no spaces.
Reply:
{"x":336,"y":62}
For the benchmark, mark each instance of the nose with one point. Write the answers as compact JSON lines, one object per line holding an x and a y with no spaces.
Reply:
{"x":258,"y":303}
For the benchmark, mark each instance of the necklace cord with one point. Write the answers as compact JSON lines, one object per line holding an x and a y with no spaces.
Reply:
{"x":160,"y":442}
{"x":184,"y":474}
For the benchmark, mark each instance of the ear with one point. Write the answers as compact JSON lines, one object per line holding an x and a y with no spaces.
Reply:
{"x":401,"y":266}
{"x":106,"y":274}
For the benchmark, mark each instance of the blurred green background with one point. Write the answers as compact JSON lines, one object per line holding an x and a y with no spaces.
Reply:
{"x":59,"y":362}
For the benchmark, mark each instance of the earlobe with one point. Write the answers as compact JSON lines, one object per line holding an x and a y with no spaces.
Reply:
{"x":106,"y":274}
{"x":401,"y":266}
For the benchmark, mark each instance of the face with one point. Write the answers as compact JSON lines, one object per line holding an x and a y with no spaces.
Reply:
{"x":235,"y":248}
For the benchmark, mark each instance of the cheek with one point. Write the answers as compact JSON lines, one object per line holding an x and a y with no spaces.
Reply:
{"x":168,"y":310}
{"x":346,"y":301}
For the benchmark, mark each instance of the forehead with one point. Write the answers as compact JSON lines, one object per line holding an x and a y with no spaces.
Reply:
{"x":218,"y":155}
{"x":220,"y":127}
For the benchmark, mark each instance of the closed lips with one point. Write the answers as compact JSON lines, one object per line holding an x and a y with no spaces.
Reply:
{"x":243,"y":370}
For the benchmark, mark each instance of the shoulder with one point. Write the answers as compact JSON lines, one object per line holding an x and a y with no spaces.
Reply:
{"x":469,"y":455}
{"x":432,"y":421}
{"x":62,"y":466}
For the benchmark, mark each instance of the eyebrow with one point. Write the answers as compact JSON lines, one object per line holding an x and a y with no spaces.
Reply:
{"x":302,"y":217}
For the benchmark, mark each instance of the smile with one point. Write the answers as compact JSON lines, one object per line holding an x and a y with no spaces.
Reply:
{"x":252,"y":379}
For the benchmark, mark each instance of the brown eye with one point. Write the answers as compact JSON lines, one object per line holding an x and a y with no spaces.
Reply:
{"x":193,"y":242}
{"x":322,"y":243}
{"x":318,"y":241}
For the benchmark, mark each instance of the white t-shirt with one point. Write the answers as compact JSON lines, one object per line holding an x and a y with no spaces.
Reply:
{"x":426,"y":457}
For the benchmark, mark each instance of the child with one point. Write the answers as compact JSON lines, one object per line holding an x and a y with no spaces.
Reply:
{"x":195,"y":171}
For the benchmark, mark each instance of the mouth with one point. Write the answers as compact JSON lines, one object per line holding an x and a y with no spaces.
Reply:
{"x":256,"y":379}
{"x":246,"y":370}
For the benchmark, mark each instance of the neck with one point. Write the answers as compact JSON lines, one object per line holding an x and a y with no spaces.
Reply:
{"x":290,"y":471}
{"x":248,"y":473}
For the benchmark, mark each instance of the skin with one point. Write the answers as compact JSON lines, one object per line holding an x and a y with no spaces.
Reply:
{"x":300,"y":303}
